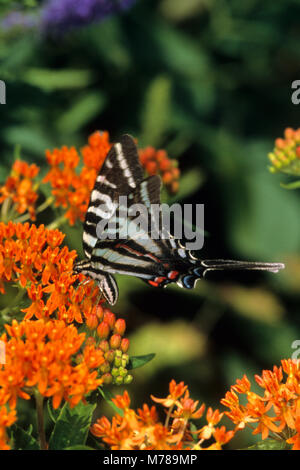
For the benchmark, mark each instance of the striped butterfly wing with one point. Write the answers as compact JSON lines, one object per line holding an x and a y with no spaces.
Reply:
{"x":136,"y":252}
{"x":119,"y":175}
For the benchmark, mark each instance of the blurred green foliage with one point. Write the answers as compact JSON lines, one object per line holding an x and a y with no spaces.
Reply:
{"x":209,"y":81}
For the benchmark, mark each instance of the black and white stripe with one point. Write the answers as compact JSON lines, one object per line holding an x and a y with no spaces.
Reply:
{"x":119,"y":175}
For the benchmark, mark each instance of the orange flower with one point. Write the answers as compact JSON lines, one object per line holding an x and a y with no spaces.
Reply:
{"x":286,"y":153}
{"x":40,"y":355}
{"x":142,"y":430}
{"x":95,"y":152}
{"x":157,"y":162}
{"x":221,"y":437}
{"x":277,"y":410}
{"x":32,"y":258}
{"x":176,"y":391}
{"x":187,"y":408}
{"x":26,"y":252}
{"x":70,"y":188}
{"x":20,"y":188}
{"x":295,"y":439}
{"x":213,"y":418}
{"x":7,"y":418}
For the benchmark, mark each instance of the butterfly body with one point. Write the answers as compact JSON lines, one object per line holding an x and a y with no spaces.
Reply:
{"x":158,"y":261}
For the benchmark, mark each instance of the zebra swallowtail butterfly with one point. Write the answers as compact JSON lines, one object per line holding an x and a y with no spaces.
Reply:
{"x":158,"y":262}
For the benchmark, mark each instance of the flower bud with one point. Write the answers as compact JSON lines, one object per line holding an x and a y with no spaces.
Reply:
{"x":123,"y":372}
{"x":167,"y":177}
{"x":124,"y":345}
{"x":128,"y":379}
{"x":289,"y":133}
{"x":109,"y":318}
{"x":151,"y":168}
{"x":109,"y":355}
{"x":115,"y":371}
{"x":103,"y":330}
{"x":105,"y":367}
{"x":118,"y":380}
{"x":118,"y":362}
{"x":92,"y":322}
{"x":165,"y":164}
{"x":90,"y":341}
{"x":118,"y":353}
{"x":107,"y":378}
{"x":120,"y":326}
{"x":99,"y":312}
{"x":125,"y":360}
{"x":115,"y":341}
{"x":279,"y":143}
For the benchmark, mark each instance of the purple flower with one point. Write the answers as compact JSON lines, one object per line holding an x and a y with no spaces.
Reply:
{"x":58,"y":16}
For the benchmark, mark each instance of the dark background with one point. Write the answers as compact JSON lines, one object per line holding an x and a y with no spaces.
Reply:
{"x":210,"y":82}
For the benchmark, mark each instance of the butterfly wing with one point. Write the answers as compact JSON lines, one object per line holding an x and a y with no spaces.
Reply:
{"x":119,"y":175}
{"x":135,"y":251}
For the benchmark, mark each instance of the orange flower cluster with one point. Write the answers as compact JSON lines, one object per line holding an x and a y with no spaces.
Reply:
{"x":7,"y":418}
{"x":286,"y":154}
{"x":142,"y":430}
{"x":71,"y":189}
{"x":31,"y":256}
{"x":157,"y":162}
{"x":277,"y":411}
{"x":40,"y":356}
{"x":20,"y":189}
{"x":110,"y":332}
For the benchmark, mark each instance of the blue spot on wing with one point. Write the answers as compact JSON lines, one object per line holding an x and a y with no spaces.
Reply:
{"x":189,"y":281}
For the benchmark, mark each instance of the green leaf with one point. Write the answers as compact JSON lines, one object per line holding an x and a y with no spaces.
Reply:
{"x":179,"y":52}
{"x":30,"y":139}
{"x":294,"y":185}
{"x":54,"y":414}
{"x":49,"y":79}
{"x":268,"y":444}
{"x":23,"y":440}
{"x":189,"y":183}
{"x":156,"y":111}
{"x":72,"y":426}
{"x":83,"y":110}
{"x":139,"y":361}
{"x":107,"y":395}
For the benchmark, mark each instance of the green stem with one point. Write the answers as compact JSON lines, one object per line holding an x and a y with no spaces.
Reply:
{"x":6,"y":206}
{"x":168,"y":416}
{"x":41,"y":208}
{"x":56,"y":223}
{"x":39,"y":399}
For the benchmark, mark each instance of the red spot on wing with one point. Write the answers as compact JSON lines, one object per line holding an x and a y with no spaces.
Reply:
{"x":157,"y":281}
{"x":138,"y":253}
{"x":127,"y":248}
{"x":173,"y":274}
